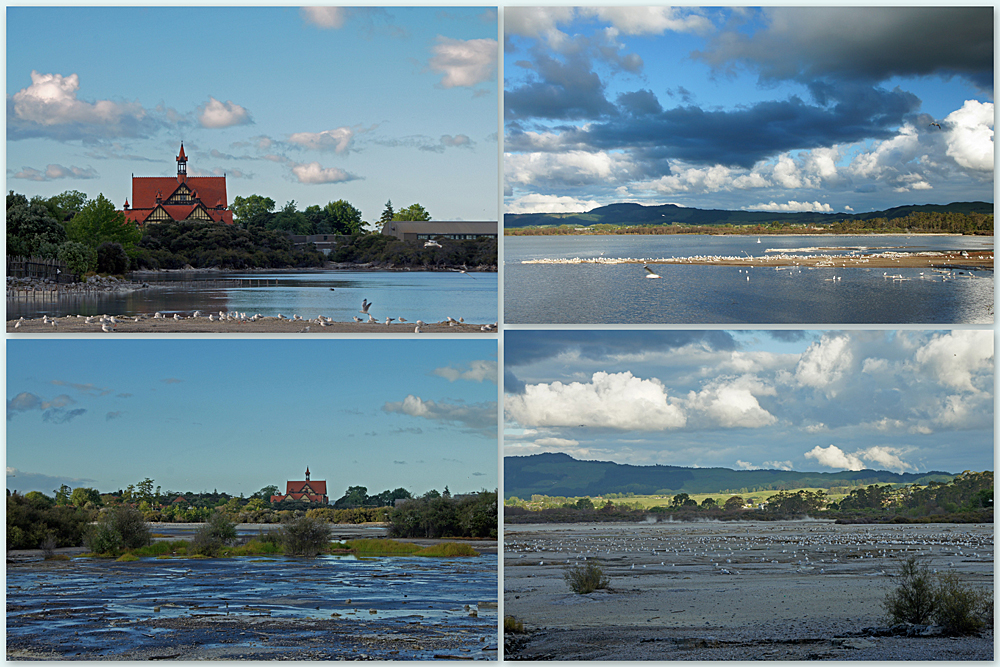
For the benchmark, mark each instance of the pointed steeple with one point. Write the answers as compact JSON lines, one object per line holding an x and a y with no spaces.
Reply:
{"x":182,"y":165}
{"x":307,"y":473}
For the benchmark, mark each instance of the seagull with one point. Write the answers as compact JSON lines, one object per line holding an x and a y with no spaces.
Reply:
{"x":937,"y":125}
{"x":389,"y":320}
{"x":652,"y":274}
{"x":357,"y":319}
{"x":365,"y":306}
{"x":416,"y":329}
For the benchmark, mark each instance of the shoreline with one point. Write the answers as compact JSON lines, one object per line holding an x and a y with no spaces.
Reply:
{"x":945,"y":261}
{"x":237,"y":325}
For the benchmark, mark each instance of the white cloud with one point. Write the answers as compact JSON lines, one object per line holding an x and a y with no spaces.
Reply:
{"x":325,"y":17}
{"x":955,"y":358}
{"x":215,"y":114}
{"x":549,"y":204}
{"x":338,"y":140}
{"x":883,"y":457}
{"x":825,"y":362}
{"x":480,"y":417}
{"x":970,"y":135}
{"x":556,"y":442}
{"x":778,"y":465}
{"x":480,"y":370}
{"x":570,"y":167}
{"x":732,"y":403}
{"x":792,"y":206}
{"x":649,"y":20}
{"x":465,"y":63}
{"x":314,"y":173}
{"x":457,"y":141}
{"x":610,"y":400}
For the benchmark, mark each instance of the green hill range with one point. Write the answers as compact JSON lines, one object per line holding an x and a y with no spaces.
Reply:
{"x":665,"y":214}
{"x":557,"y":474}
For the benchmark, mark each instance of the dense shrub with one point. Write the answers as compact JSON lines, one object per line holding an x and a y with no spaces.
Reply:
{"x":913,"y":600}
{"x":305,"y":536}
{"x":960,"y":609}
{"x":474,"y":515}
{"x":112,"y":258}
{"x":215,"y":534}
{"x":32,"y":519}
{"x":117,"y":530}
{"x":586,"y":578}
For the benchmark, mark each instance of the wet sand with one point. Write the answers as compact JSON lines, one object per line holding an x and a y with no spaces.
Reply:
{"x":264,"y":325}
{"x":728,"y":591}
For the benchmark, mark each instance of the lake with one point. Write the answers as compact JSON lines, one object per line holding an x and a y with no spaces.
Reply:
{"x":586,"y":293}
{"x":428,"y":295}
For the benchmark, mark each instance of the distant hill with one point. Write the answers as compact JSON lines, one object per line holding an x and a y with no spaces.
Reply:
{"x":665,"y":214}
{"x":562,"y":475}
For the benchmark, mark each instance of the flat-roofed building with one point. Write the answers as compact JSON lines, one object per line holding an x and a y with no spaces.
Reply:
{"x":413,"y":230}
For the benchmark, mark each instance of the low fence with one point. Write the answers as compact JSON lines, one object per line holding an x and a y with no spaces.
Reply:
{"x":38,"y":267}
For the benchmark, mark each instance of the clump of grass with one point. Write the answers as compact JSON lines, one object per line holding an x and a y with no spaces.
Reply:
{"x":158,"y":549}
{"x":586,"y":578}
{"x":512,"y":625}
{"x":127,"y":558}
{"x":369,"y":547}
{"x":447,"y":550}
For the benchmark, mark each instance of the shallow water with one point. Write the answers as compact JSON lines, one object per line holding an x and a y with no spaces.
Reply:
{"x":703,"y":294}
{"x":428,"y":295}
{"x":397,"y":593}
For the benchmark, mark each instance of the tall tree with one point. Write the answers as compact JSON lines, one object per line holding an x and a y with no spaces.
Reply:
{"x":100,"y":221}
{"x":388,"y":213}
{"x":252,"y":211}
{"x":412,"y":212}
{"x":30,"y":226}
{"x":344,"y":218}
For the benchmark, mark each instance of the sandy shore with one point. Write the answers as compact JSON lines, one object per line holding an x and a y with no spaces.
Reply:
{"x":723,"y":591}
{"x":264,"y":325}
{"x":976,"y":260}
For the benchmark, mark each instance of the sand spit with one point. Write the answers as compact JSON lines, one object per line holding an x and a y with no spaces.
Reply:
{"x":982,"y":259}
{"x":731,"y":591}
{"x":235,"y":324}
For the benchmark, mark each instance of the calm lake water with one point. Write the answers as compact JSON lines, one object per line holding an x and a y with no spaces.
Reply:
{"x":428,"y":295}
{"x":700,"y":294}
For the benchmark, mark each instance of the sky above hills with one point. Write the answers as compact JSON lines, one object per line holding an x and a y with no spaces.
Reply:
{"x":237,"y":415}
{"x":311,"y":105}
{"x":905,"y":401}
{"x":831,"y":109}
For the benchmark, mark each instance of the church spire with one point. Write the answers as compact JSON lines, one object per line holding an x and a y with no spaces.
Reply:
{"x":182,"y":165}
{"x":307,"y":473}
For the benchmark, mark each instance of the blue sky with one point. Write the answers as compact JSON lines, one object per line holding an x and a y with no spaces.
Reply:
{"x":824,"y":109}
{"x":238,"y":415}
{"x":304,"y":104}
{"x":905,"y":401}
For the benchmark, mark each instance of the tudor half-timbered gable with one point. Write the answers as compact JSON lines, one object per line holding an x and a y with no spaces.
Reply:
{"x":313,"y":491}
{"x":166,"y":199}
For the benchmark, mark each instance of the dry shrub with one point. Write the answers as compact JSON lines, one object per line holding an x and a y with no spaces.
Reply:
{"x":586,"y":578}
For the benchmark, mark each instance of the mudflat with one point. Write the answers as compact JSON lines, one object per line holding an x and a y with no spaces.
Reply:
{"x":731,"y":591}
{"x":203,"y":325}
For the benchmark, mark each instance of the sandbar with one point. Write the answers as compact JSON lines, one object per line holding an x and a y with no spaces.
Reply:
{"x":946,"y":261}
{"x":145,"y":324}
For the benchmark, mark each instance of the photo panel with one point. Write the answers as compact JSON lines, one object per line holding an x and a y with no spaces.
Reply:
{"x":748,"y":494}
{"x":252,"y":499}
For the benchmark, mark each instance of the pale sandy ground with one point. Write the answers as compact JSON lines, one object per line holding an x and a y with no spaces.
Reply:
{"x":731,"y":591}
{"x":266,"y":325}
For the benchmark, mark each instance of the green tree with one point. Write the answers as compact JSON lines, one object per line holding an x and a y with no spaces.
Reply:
{"x":100,"y":221}
{"x":388,"y":213}
{"x":733,"y":503}
{"x":709,"y":503}
{"x":31,"y":227}
{"x":63,"y":494}
{"x":252,"y":211}
{"x":412,"y":212}
{"x":585,"y":504}
{"x":355,"y":496}
{"x":288,"y":219}
{"x":82,"y":495}
{"x":67,"y":204}
{"x":344,"y":218}
{"x":266,"y":493}
{"x":680,"y":500}
{"x":78,"y":257}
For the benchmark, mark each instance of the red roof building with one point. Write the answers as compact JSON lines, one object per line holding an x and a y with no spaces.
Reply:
{"x":306,"y":490}
{"x":168,"y":199}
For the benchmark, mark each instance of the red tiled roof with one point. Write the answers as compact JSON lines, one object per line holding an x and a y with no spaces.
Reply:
{"x":318,"y":488}
{"x":210,"y":189}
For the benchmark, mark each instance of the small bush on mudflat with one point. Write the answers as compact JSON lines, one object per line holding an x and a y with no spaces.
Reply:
{"x":212,"y":536}
{"x":586,"y":578}
{"x":914,"y":599}
{"x":960,"y":609}
{"x":512,"y":625}
{"x":117,"y":530}
{"x":305,"y":537}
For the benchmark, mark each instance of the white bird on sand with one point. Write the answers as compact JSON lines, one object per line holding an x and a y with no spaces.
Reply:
{"x":651,"y":273}
{"x":357,"y":319}
{"x":416,"y":329}
{"x":389,"y":320}
{"x":105,"y":328}
{"x":371,"y":319}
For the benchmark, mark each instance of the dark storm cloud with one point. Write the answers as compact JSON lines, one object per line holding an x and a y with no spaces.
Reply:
{"x":525,"y":347}
{"x":862,"y":43}
{"x":559,"y":90}
{"x":742,"y":137}
{"x":511,"y":383}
